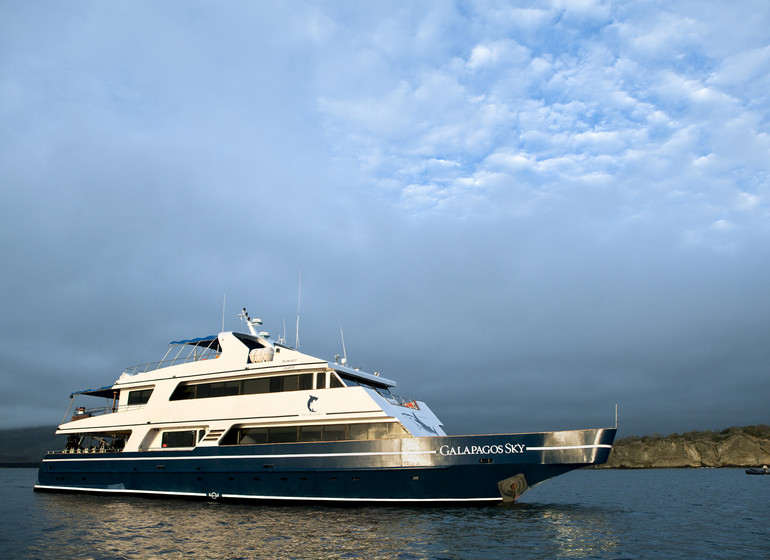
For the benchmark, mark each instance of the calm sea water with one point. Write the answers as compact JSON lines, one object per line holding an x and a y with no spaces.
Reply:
{"x":705,"y":513}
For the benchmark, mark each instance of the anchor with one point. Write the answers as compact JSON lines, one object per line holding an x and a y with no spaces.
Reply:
{"x":512,"y":487}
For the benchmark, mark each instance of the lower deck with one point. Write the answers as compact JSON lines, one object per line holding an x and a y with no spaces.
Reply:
{"x":435,"y":469}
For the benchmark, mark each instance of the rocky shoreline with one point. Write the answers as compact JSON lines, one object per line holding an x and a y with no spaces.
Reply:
{"x":748,"y":446}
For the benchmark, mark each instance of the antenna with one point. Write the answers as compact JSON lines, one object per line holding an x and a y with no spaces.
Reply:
{"x":299,"y":299}
{"x":244,"y":315}
{"x":224,"y":300}
{"x":251,"y":322}
{"x":616,"y":416}
{"x":344,"y":352}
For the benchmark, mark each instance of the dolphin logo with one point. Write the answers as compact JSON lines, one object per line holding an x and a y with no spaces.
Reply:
{"x":310,"y":403}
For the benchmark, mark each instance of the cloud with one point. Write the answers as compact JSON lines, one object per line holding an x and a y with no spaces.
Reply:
{"x":569,"y":201}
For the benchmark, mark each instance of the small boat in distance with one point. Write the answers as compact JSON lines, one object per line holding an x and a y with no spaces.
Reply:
{"x":763,"y":470}
{"x":239,"y":416}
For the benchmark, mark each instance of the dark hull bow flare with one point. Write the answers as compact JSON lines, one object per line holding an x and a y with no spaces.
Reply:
{"x":242,"y":417}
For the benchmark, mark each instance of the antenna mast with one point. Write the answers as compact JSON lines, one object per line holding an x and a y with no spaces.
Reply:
{"x":224,"y":300}
{"x":299,"y":299}
{"x":251,"y":322}
{"x":344,"y":352}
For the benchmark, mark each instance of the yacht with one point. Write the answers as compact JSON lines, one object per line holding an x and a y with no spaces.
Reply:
{"x":241,"y":416}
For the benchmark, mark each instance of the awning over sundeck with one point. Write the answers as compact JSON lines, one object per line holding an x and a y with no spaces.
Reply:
{"x":106,"y":392}
{"x":202,"y":341}
{"x":208,"y":342}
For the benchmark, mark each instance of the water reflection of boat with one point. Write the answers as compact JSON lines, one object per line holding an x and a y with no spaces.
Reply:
{"x":240,"y":416}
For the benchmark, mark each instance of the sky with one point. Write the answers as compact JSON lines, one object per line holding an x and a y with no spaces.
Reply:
{"x":522,"y":212}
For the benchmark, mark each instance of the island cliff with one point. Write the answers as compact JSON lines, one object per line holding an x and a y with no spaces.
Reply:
{"x":748,"y":446}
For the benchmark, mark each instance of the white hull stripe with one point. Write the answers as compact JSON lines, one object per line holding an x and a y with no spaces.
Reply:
{"x":95,"y":456}
{"x":259,"y":497}
{"x":561,"y":447}
{"x":116,"y":490}
{"x":241,"y":497}
{"x":287,"y":456}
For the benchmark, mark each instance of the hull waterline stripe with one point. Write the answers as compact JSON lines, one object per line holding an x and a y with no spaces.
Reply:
{"x":117,"y":490}
{"x":562,"y":447}
{"x":258,"y":497}
{"x":304,"y":455}
{"x":294,"y":498}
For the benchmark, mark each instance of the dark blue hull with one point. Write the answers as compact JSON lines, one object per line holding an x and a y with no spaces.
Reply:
{"x":434,"y":469}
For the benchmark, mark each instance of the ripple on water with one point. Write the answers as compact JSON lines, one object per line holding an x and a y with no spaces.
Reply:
{"x":713,"y":513}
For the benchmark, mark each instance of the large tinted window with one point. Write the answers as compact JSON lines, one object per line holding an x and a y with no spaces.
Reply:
{"x":282,"y":434}
{"x":311,"y":433}
{"x":335,"y":381}
{"x":179,"y":439}
{"x":255,"y":386}
{"x":328,"y":432}
{"x":139,"y":397}
{"x":276,"y":384}
{"x":253,"y":435}
{"x":224,"y":388}
{"x":336,"y":432}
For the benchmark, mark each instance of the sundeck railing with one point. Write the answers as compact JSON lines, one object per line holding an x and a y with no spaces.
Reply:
{"x":196,"y":354}
{"x":87,"y":450}
{"x":398,"y":400}
{"x":83,"y":412}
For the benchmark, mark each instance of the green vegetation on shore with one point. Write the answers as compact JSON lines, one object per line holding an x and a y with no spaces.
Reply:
{"x":761,"y":431}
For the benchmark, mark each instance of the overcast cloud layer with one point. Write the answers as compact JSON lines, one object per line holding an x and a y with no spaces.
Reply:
{"x":522,"y":212}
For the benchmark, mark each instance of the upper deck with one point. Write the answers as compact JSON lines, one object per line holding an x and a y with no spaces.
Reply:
{"x":229,"y":364}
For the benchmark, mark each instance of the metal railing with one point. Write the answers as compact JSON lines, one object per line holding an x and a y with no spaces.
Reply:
{"x":90,"y":450}
{"x":83,"y":412}
{"x":398,"y":400}
{"x":196,"y":354}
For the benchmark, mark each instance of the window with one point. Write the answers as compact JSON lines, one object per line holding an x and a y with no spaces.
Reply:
{"x":378,"y":431}
{"x":335,"y":381}
{"x":256,"y":386}
{"x":275,"y":384}
{"x":245,"y":436}
{"x":179,"y":439}
{"x":253,"y":435}
{"x":335,"y":432}
{"x":224,"y":388}
{"x":397,"y":430}
{"x":139,"y":397}
{"x":359,"y":431}
{"x":101,"y":441}
{"x":183,"y":392}
{"x":320,"y":380}
{"x":311,"y":433}
{"x":315,"y":432}
{"x":349,"y":381}
{"x":282,"y":434}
